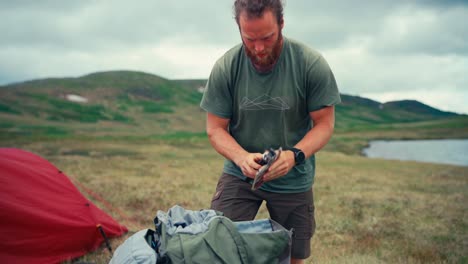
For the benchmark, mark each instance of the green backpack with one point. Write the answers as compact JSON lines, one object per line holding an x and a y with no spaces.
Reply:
{"x":208,"y":237}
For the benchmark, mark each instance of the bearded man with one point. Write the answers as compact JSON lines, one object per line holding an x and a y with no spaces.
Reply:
{"x":269,"y":92}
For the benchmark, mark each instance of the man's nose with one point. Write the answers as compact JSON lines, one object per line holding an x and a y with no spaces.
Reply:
{"x":259,"y":46}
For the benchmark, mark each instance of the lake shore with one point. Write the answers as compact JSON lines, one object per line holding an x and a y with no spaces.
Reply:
{"x":442,"y":151}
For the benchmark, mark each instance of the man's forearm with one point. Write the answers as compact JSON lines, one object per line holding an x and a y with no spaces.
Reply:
{"x":321,"y":132}
{"x":225,"y":144}
{"x":315,"y":139}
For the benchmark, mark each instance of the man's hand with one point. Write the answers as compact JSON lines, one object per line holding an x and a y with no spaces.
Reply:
{"x":281,"y":166}
{"x":249,"y":164}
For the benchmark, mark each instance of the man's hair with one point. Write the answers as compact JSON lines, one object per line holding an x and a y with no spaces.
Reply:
{"x":256,"y":8}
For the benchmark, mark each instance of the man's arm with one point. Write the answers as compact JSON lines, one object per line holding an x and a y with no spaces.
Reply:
{"x":320,"y":134}
{"x":226,"y":145}
{"x":313,"y":141}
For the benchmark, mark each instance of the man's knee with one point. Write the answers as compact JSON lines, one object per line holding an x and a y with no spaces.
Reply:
{"x":297,"y":261}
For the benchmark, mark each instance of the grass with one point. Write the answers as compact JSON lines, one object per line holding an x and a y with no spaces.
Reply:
{"x":147,"y":106}
{"x":139,"y":143}
{"x":59,"y":110}
{"x":367,"y":210}
{"x":8,"y":109}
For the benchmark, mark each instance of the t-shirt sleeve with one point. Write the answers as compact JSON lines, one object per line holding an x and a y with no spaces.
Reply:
{"x":322,"y":89}
{"x":217,"y":98}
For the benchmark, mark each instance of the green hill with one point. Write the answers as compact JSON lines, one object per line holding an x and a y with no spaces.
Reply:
{"x":108,"y":96}
{"x":140,"y":105}
{"x":110,"y":103}
{"x":357,"y":112}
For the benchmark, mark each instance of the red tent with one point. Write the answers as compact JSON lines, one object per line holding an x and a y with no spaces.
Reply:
{"x":43,"y":217}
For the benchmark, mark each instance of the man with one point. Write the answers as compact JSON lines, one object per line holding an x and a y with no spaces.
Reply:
{"x":269,"y":92}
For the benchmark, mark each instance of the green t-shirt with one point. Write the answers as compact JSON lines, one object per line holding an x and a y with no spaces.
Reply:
{"x":271,"y":110}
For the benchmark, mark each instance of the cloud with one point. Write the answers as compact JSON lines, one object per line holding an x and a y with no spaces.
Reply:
{"x":384,"y":49}
{"x":427,"y":31}
{"x":388,"y":51}
{"x":70,"y":39}
{"x":411,"y":26}
{"x":358,"y":70}
{"x":96,"y":25}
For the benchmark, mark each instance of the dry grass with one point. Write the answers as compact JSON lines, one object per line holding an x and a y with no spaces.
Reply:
{"x":367,"y":210}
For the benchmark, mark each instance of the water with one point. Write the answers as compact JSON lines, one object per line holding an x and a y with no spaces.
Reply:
{"x":447,"y":151}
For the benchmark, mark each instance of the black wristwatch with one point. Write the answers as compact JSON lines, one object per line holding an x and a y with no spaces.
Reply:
{"x":299,"y":156}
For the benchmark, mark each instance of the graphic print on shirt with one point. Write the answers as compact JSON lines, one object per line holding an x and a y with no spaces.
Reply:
{"x":264,"y":102}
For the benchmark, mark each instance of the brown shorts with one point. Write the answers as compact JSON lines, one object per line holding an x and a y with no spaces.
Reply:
{"x":238,"y":202}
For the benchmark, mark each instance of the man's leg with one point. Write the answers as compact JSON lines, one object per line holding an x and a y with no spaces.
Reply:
{"x":297,"y":261}
{"x":295,"y":211}
{"x":235,"y":199}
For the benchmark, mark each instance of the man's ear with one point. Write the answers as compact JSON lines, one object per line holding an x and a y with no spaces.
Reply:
{"x":281,"y":23}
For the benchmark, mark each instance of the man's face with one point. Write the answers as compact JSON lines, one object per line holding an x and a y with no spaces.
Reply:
{"x":262,"y":39}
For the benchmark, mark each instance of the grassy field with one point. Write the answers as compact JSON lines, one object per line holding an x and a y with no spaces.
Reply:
{"x":367,"y":210}
{"x":139,"y":143}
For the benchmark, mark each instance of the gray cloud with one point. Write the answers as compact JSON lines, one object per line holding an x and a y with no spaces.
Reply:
{"x":408,"y":27}
{"x":426,"y":31}
{"x":108,"y":24}
{"x":384,"y":49}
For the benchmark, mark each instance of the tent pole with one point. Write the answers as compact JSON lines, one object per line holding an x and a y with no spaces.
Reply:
{"x":105,"y":237}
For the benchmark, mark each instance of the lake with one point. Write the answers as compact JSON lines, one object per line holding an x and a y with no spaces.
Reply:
{"x":447,"y":151}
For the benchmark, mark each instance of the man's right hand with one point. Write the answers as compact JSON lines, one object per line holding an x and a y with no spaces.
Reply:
{"x":224,"y":143}
{"x":249,"y":164}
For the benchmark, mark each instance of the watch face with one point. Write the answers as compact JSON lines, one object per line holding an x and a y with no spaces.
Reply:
{"x":300,"y":157}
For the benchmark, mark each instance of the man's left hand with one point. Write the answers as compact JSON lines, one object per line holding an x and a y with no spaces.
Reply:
{"x":281,"y":166}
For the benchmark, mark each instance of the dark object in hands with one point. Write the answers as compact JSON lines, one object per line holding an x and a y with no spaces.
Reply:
{"x":269,"y":156}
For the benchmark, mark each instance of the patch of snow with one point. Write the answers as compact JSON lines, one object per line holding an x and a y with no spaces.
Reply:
{"x":76,"y":98}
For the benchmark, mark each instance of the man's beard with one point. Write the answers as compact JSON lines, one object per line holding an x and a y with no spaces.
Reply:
{"x":266,"y":62}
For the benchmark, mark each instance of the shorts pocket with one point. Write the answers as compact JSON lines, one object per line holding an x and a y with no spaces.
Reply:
{"x":219,"y":191}
{"x":312,"y":219}
{"x":219,"y":187}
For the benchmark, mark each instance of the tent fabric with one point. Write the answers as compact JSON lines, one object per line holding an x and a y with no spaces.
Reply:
{"x":43,"y":217}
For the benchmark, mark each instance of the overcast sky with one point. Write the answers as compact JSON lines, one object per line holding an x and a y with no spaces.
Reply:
{"x":384,"y":50}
